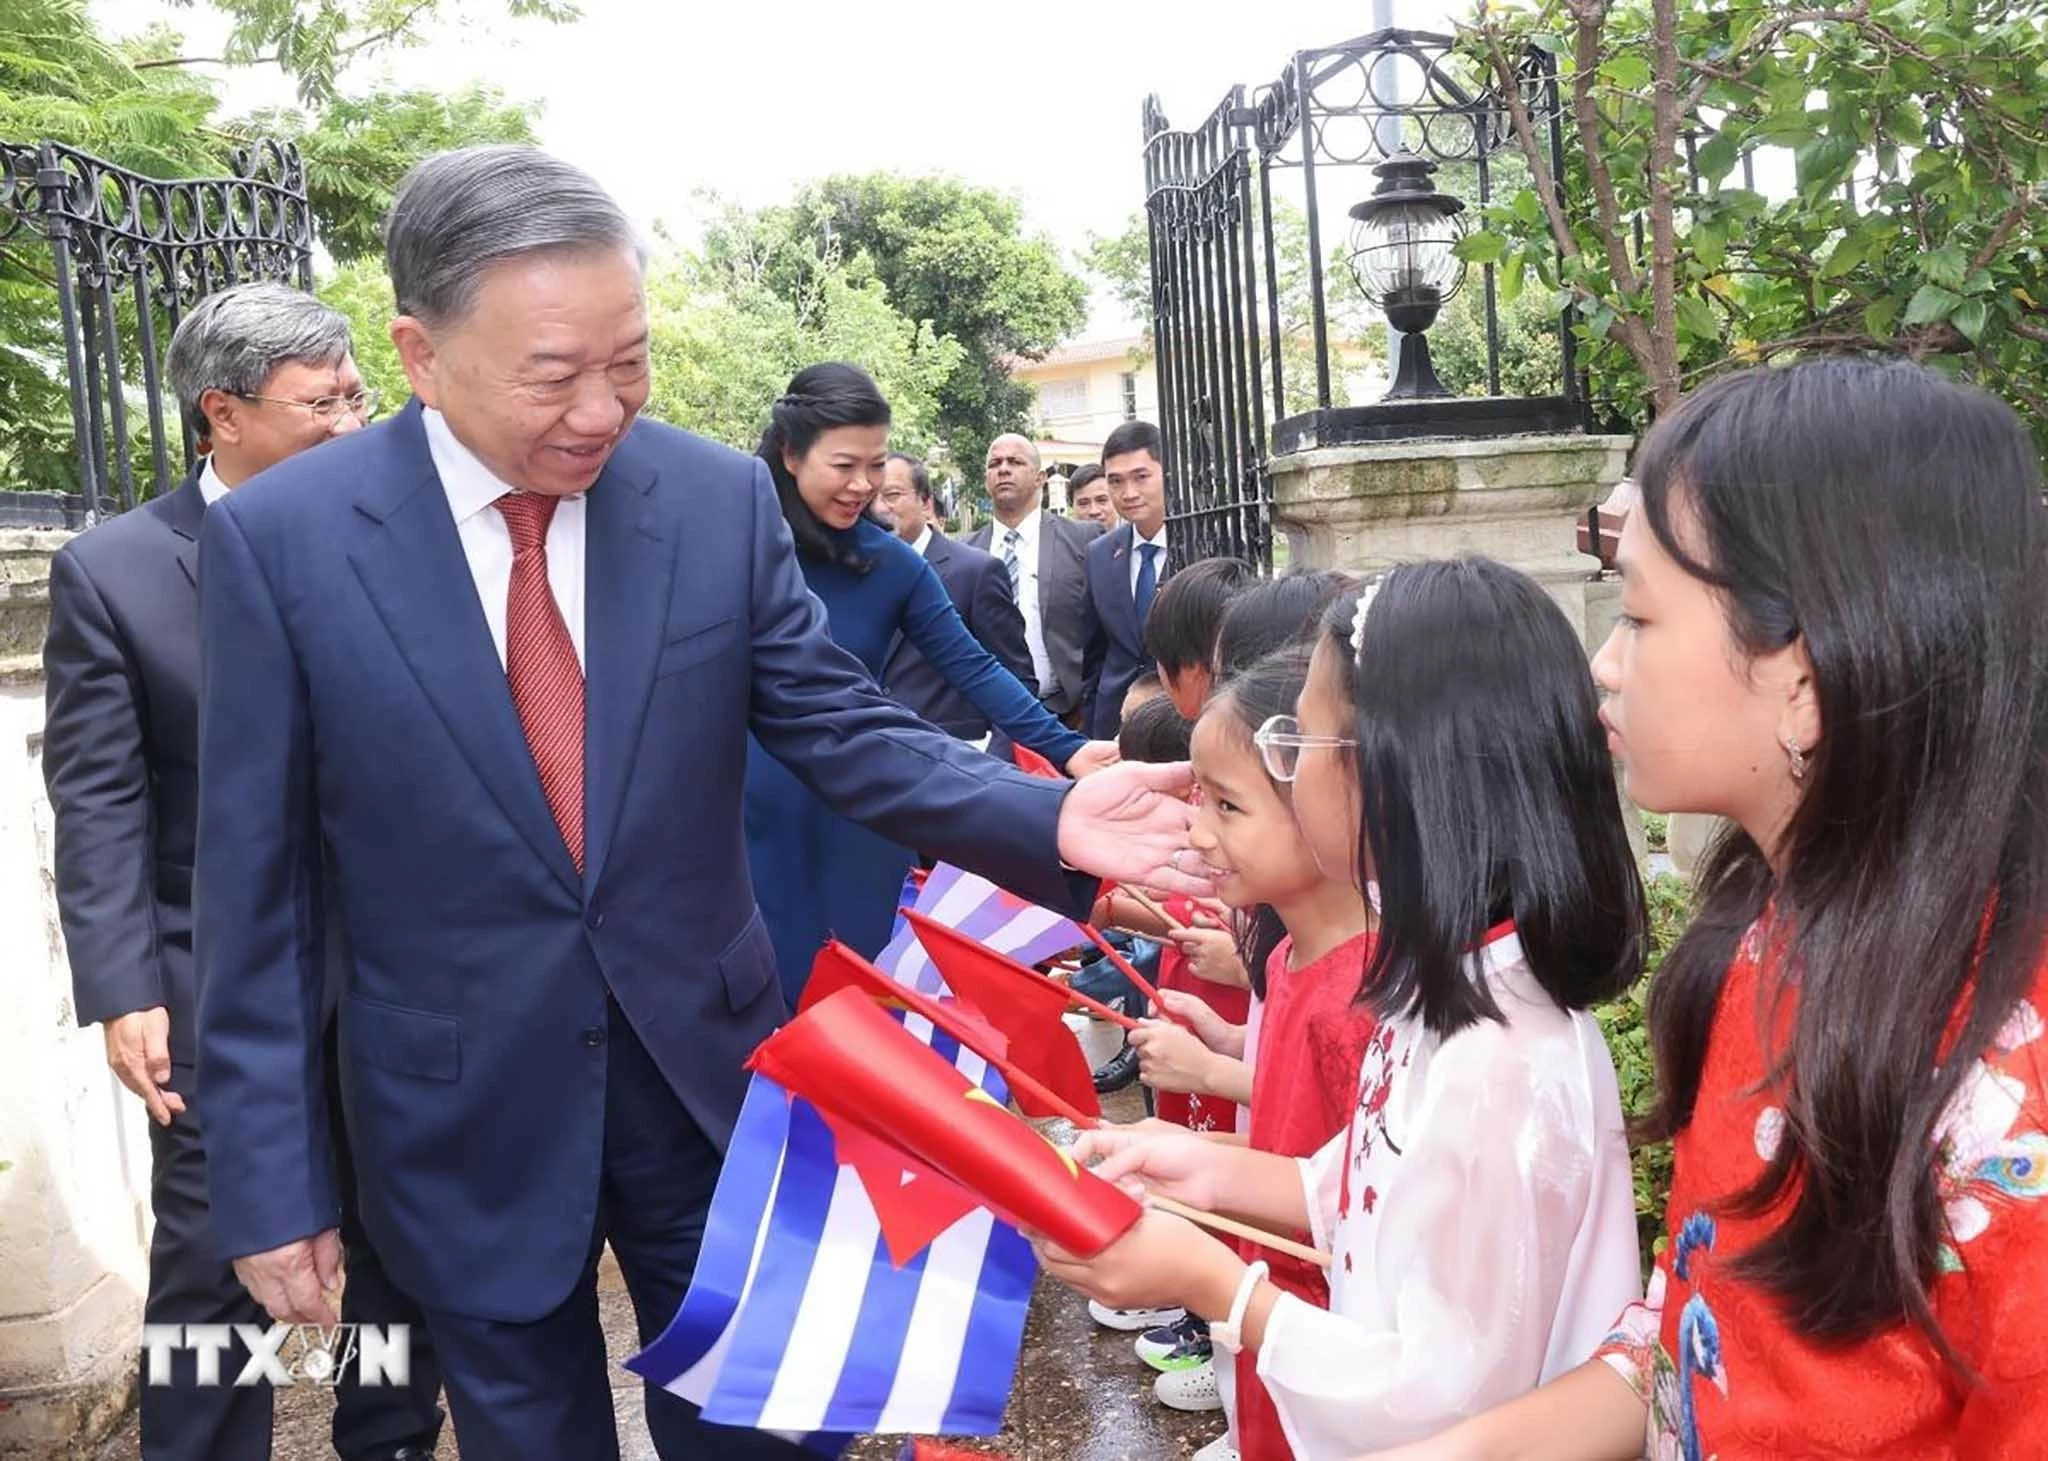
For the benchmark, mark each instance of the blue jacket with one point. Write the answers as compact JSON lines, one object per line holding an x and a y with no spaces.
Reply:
{"x":351,"y":696}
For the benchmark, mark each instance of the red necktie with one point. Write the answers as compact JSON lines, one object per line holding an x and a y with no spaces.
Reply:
{"x":540,"y":661}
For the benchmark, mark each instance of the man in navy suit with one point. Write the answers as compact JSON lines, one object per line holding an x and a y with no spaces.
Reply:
{"x":1125,"y":568}
{"x":502,"y":655}
{"x":262,"y":372}
{"x":979,"y":589}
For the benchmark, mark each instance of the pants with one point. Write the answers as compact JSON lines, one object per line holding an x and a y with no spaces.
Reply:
{"x":542,"y":1391}
{"x":190,"y":1283}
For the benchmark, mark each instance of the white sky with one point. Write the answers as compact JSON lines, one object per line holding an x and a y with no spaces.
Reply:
{"x":660,"y":99}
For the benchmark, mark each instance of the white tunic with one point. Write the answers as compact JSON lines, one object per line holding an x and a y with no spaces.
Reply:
{"x":1481,"y":1220}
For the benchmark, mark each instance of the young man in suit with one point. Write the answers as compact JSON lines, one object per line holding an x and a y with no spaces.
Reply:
{"x":980,"y":590}
{"x":497,"y":664}
{"x":262,"y":372}
{"x":1126,"y":567}
{"x":1044,"y":555}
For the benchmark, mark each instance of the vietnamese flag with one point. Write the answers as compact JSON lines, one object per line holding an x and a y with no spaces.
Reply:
{"x":1032,"y":764}
{"x":837,"y":967}
{"x":1024,"y":1005}
{"x":876,"y":1082}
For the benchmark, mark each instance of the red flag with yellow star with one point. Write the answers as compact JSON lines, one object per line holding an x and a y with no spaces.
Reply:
{"x":873,"y":1080}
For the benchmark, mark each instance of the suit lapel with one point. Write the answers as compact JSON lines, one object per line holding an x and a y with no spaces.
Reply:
{"x":183,"y":511}
{"x":629,"y":564}
{"x":1124,"y":609}
{"x":413,"y":568}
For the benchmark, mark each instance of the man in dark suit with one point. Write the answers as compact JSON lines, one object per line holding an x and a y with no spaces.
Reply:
{"x":503,"y":654}
{"x":1126,"y":567}
{"x":262,"y":372}
{"x":979,"y":589}
{"x":1044,"y":554}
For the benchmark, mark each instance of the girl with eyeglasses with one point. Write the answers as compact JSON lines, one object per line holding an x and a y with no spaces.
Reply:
{"x":1477,"y":1205}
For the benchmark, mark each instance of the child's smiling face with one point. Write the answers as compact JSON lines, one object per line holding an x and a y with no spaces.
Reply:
{"x":1244,"y":828}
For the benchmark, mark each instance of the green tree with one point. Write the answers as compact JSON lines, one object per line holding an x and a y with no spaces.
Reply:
{"x":358,"y":149}
{"x":144,"y":104}
{"x":946,"y":253}
{"x":1916,"y":225}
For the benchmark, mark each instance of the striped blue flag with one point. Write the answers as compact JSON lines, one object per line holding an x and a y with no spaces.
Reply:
{"x":796,"y":1320}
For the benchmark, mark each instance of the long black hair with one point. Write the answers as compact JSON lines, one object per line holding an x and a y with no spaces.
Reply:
{"x":1889,"y":522}
{"x":1487,"y":794}
{"x":1250,"y":698}
{"x":819,"y":398}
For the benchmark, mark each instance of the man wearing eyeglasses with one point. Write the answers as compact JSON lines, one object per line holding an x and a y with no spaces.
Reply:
{"x":262,"y":372}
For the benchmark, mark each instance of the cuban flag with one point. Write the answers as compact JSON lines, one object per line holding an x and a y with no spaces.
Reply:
{"x":797,"y":1321}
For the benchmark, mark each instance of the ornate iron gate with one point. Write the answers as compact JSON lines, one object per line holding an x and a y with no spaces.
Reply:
{"x":131,"y":255}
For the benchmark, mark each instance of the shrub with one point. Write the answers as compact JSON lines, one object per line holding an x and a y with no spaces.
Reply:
{"x":1628,"y":1040}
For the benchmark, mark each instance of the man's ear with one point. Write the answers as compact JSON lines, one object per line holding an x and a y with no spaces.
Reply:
{"x":417,"y":354}
{"x":223,"y":414}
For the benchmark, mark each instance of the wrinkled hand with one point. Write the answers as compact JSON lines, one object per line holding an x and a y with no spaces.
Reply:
{"x":1211,"y":953}
{"x":1161,"y":1260}
{"x":1178,"y":1163}
{"x":139,"y":1052}
{"x":291,"y":1283}
{"x":1171,"y":1059}
{"x":1093,"y":757}
{"x":1215,"y":1032}
{"x":1131,"y":823}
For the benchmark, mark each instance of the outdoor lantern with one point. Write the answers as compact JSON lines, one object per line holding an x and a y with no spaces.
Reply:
{"x":1404,"y":257}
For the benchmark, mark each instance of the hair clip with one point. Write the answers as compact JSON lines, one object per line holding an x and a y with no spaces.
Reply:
{"x":1365,"y":598}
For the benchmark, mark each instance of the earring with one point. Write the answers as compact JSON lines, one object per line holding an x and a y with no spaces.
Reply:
{"x":1797,"y":757}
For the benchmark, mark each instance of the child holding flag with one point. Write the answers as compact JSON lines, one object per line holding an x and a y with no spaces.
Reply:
{"x":1478,"y":1205}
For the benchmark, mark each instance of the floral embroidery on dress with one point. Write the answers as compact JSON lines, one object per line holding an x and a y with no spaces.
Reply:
{"x":1375,"y":1089}
{"x":1674,"y":1424}
{"x":1983,"y":1159}
{"x":1770,"y":1132}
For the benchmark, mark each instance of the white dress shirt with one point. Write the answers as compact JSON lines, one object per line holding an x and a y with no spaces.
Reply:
{"x":211,"y":488}
{"x":923,"y":540}
{"x":1028,"y":533}
{"x":487,"y":542}
{"x":1138,"y":559}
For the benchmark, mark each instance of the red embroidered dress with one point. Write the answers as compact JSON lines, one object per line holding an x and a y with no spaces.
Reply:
{"x":1723,"y":1373}
{"x":1191,"y":1109}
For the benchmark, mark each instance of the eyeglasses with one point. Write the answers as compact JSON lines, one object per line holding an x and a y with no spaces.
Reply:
{"x":328,"y":410}
{"x":1280,"y":744}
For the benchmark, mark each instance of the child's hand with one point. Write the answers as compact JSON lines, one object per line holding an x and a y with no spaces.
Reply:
{"x":1209,"y":1027}
{"x":1211,"y":953}
{"x":1161,"y":1260}
{"x":1170,"y":1059}
{"x":1177,"y":1163}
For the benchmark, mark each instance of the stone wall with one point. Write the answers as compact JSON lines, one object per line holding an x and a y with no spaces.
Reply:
{"x":74,"y":1192}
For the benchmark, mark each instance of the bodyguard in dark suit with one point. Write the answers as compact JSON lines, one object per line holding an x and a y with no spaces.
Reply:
{"x":262,"y":372}
{"x":502,"y":655}
{"x":979,"y":589}
{"x":1125,"y":569}
{"x":1044,"y":555}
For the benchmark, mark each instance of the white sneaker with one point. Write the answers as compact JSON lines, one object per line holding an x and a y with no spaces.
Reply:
{"x":1190,"y":1389}
{"x":1132,"y":1321}
{"x":1219,"y":1449}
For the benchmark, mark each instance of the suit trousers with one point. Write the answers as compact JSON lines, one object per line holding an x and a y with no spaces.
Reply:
{"x":542,"y":1391}
{"x":190,"y":1283}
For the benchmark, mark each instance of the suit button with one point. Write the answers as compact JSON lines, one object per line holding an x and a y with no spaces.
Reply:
{"x":594,"y":918}
{"x":594,"y":1036}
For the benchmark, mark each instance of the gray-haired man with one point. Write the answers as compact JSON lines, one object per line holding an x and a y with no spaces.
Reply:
{"x":261,"y":372}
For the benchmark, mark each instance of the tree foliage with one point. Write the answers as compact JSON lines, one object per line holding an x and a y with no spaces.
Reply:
{"x":945,"y":253}
{"x":1915,"y":226}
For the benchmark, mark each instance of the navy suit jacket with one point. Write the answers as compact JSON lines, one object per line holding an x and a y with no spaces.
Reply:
{"x":351,"y":691}
{"x":979,"y":587}
{"x":1123,"y":637}
{"x":121,"y":758}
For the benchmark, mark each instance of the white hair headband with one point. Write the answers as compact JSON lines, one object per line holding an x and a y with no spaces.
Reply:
{"x":1365,"y":598}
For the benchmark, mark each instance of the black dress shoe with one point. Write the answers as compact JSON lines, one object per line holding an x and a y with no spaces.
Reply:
{"x":1120,"y":1071}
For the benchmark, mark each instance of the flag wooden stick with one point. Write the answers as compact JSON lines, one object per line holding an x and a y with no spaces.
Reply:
{"x":1157,"y":910}
{"x":1077,"y":999}
{"x":1240,"y":1230}
{"x":1144,"y":986}
{"x":1023,"y":1080}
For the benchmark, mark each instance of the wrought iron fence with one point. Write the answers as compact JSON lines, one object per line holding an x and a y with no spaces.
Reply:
{"x":131,"y":254}
{"x":1220,"y":323}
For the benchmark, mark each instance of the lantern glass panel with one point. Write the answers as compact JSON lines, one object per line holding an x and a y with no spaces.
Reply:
{"x":1407,"y":247}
